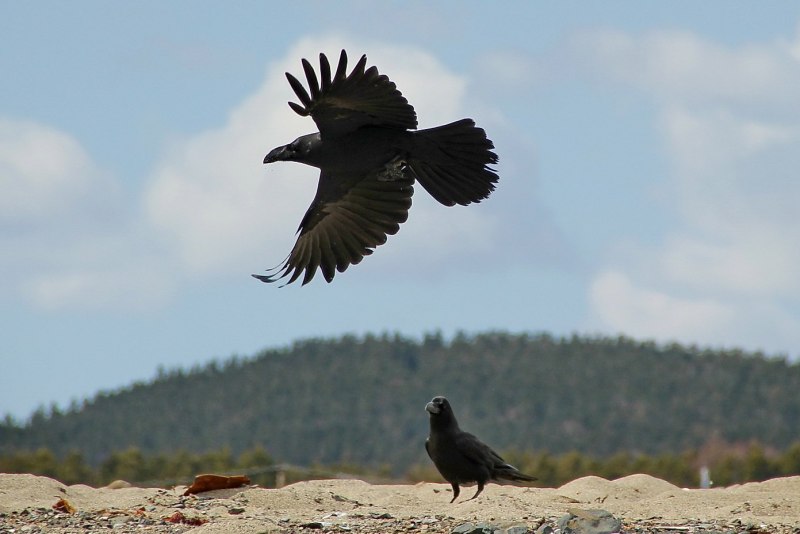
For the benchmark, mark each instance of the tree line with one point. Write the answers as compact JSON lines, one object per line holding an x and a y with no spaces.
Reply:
{"x":359,"y":400}
{"x":727,"y":465}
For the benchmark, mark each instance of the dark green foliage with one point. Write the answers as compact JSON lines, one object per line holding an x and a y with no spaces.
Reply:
{"x":729,"y":465}
{"x":360,"y":400}
{"x":135,"y":467}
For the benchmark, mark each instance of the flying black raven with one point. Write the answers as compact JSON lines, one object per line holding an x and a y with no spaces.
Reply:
{"x":459,"y":456}
{"x":368,"y":158}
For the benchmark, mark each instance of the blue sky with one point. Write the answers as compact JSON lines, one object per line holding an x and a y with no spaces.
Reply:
{"x":648,"y":162}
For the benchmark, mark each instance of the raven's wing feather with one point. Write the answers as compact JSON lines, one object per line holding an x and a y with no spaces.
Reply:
{"x":475,"y":450}
{"x":348,"y":218}
{"x":348,"y":101}
{"x":480,"y":453}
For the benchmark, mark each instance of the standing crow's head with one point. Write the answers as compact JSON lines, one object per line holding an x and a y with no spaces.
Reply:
{"x":438,"y":405}
{"x":441,"y":414}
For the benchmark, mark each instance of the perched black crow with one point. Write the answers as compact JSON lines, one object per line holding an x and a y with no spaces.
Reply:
{"x":459,"y":456}
{"x":368,"y":158}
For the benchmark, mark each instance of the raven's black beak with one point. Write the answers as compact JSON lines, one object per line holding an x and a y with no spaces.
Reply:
{"x":276,"y":154}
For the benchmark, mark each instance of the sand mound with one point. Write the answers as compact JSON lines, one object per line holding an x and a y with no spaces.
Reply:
{"x":628,"y":489}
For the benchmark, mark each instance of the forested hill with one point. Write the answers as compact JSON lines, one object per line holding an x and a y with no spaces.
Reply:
{"x":361,"y":400}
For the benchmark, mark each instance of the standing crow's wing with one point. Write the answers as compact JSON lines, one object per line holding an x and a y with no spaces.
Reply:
{"x":346,"y":102}
{"x":348,"y":218}
{"x":476,"y":451}
{"x":483,"y":455}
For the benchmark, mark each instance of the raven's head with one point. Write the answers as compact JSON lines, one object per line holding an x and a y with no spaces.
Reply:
{"x":441,"y":414}
{"x":298,"y":150}
{"x":438,"y":405}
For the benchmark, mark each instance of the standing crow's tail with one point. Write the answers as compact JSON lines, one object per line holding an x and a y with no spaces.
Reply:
{"x":509,"y":472}
{"x":452,"y":163}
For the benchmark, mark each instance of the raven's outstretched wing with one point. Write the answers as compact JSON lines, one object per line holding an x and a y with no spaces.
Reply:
{"x":348,"y":218}
{"x":345,"y":102}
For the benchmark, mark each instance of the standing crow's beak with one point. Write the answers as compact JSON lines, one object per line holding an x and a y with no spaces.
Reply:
{"x":276,"y":154}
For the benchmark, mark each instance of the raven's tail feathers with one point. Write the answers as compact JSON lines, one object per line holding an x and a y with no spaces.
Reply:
{"x":509,"y":472}
{"x":452,"y":163}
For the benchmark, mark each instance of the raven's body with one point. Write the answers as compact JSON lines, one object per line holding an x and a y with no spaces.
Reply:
{"x":356,"y":152}
{"x":460,"y":457}
{"x":369,"y":157}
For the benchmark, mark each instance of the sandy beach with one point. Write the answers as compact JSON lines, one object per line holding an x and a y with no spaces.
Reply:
{"x":641,"y":502}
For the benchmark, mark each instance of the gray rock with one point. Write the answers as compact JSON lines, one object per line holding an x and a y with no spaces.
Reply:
{"x":544,"y":528}
{"x":589,"y":522}
{"x":120,"y":520}
{"x":473,"y":528}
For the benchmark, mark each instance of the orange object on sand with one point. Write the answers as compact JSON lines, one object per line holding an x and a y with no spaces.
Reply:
{"x":214,"y":482}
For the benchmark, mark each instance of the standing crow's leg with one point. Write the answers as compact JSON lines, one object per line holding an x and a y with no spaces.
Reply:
{"x":456,"y":491}
{"x":480,"y":489}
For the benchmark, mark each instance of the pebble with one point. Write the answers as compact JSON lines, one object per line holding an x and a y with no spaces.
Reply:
{"x":589,"y":522}
{"x":472,"y":528}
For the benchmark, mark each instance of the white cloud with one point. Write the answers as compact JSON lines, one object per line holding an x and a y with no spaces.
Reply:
{"x":794,"y":46}
{"x":46,"y":174}
{"x":736,"y":189}
{"x":645,"y":310}
{"x":757,"y":265}
{"x":732,"y":171}
{"x":730,"y":121}
{"x":90,"y":287}
{"x":648,"y":313}
{"x":677,"y":65}
{"x":68,"y":239}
